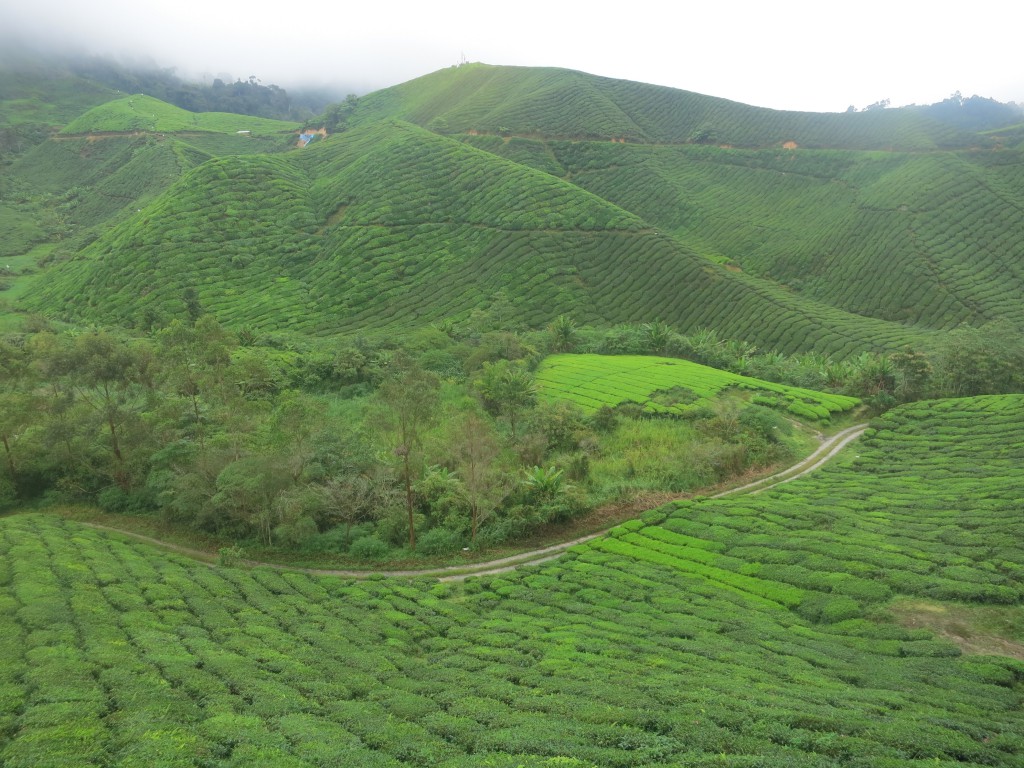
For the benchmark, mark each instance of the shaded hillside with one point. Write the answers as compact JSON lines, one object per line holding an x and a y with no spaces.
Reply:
{"x":394,"y":227}
{"x":560,"y":103}
{"x":935,"y":239}
{"x":33,"y":101}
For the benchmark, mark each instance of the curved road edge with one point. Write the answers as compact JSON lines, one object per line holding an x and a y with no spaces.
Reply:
{"x":822,"y":454}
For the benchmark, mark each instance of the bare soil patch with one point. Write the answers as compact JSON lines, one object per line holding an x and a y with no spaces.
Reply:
{"x":967,"y":626}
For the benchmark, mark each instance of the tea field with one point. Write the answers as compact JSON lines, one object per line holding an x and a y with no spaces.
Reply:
{"x":144,"y":113}
{"x":561,"y":103}
{"x":734,"y":632}
{"x":942,"y":227}
{"x":390,"y":226}
{"x":668,"y":385}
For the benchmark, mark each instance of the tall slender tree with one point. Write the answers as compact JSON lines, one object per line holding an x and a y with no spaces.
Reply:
{"x":410,"y":399}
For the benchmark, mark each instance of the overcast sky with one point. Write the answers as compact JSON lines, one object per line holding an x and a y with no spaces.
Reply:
{"x":820,"y":56}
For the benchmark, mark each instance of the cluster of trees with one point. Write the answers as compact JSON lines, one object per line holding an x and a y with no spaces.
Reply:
{"x":244,"y":97}
{"x":436,"y":444}
{"x":256,"y":442}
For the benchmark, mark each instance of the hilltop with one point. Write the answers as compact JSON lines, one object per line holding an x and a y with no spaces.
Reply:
{"x":565,"y":104}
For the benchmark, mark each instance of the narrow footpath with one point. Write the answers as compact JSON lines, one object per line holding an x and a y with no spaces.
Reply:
{"x":823,"y":453}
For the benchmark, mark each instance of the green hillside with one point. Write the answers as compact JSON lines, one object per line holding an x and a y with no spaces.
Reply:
{"x":31,"y":101}
{"x":945,"y":229}
{"x":391,"y":226}
{"x":667,"y":385}
{"x":144,"y":113}
{"x":733,"y":633}
{"x":560,"y":103}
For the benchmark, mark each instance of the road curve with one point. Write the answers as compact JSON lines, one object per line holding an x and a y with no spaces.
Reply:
{"x":822,"y":454}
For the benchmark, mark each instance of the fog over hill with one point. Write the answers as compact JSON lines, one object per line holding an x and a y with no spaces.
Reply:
{"x":803,"y":57}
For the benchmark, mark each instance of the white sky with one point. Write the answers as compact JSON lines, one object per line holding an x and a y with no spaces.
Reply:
{"x":821,"y":56}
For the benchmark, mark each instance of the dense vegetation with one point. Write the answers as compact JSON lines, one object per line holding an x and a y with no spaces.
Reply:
{"x":388,"y":225}
{"x":729,"y":633}
{"x":944,"y":228}
{"x":321,"y":448}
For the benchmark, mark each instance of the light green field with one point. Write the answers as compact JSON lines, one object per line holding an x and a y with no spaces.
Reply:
{"x":668,"y":385}
{"x":144,"y":113}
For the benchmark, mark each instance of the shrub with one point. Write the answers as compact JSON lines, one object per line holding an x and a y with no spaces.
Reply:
{"x":369,"y":548}
{"x":438,"y":541}
{"x":231,"y":557}
{"x":828,"y":609}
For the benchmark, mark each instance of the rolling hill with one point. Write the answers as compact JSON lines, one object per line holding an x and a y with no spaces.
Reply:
{"x":605,"y":200}
{"x":561,"y":103}
{"x":391,"y":226}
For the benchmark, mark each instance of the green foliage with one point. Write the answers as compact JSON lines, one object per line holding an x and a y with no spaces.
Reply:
{"x":369,"y":548}
{"x":116,"y":653}
{"x":346,"y":234}
{"x":440,"y":541}
{"x":593,"y":381}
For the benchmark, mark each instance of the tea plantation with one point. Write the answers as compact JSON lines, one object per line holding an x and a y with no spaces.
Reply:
{"x":667,"y":385}
{"x":734,"y":632}
{"x":561,"y":103}
{"x":391,"y":226}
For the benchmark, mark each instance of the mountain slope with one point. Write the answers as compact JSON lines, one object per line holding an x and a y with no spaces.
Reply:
{"x":559,"y":103}
{"x":935,"y":239}
{"x":391,"y":226}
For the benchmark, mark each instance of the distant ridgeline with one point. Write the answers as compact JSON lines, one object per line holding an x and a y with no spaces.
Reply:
{"x":604,"y":200}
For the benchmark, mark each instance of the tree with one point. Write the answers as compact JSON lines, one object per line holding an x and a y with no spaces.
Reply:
{"x":195,"y":359}
{"x":563,"y":334}
{"x":246,"y":492}
{"x":104,"y":373}
{"x":355,"y":497}
{"x":294,"y":424}
{"x":977,"y":361}
{"x":508,"y":389}
{"x":409,"y":397}
{"x":913,"y":374}
{"x":476,"y":450}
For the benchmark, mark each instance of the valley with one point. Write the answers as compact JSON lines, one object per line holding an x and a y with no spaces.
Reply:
{"x":503,"y":423}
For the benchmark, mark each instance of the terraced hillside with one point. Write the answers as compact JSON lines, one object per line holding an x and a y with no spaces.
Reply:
{"x":111,"y":160}
{"x":732,"y":632}
{"x":392,"y":226}
{"x":32,"y":101}
{"x":561,"y":103}
{"x":945,"y":229}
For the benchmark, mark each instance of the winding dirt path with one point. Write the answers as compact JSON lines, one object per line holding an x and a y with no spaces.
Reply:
{"x":823,"y":453}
